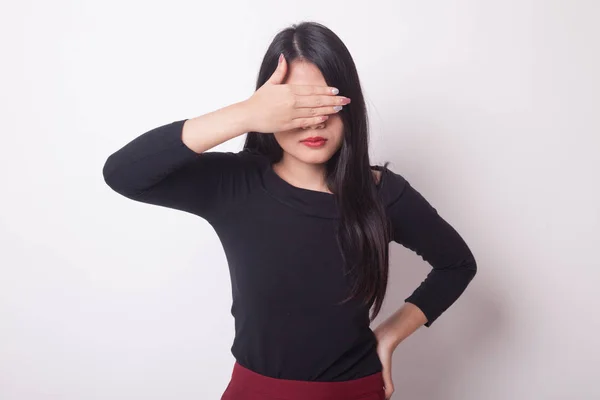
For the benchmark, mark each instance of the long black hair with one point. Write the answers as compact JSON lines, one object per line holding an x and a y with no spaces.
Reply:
{"x":363,"y":230}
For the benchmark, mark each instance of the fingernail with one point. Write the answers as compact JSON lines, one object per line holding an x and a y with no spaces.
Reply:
{"x":337,"y":108}
{"x":335,"y":90}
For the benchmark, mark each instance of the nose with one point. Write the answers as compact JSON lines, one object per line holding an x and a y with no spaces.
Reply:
{"x":320,"y":125}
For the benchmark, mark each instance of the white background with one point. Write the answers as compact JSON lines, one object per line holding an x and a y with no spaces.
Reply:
{"x":489,"y":108}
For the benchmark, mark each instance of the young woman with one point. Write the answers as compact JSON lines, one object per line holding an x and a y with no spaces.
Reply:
{"x":305,"y":221}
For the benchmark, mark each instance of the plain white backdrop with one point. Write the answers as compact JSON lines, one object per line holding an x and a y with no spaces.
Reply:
{"x":489,"y":108}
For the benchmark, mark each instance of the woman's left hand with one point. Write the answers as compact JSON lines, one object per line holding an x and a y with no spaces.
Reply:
{"x":385,"y":349}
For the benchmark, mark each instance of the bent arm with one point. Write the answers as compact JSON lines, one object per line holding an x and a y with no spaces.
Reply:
{"x":169,"y":165}
{"x":418,"y":226}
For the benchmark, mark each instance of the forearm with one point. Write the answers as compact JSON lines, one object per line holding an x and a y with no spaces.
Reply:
{"x":401,"y":324}
{"x":418,"y":226}
{"x":209,"y":130}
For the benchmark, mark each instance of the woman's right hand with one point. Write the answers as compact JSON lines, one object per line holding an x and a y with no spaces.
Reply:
{"x":278,"y":107}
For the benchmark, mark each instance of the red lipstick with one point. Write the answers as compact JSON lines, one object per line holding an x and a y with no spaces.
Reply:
{"x":314,"y":141}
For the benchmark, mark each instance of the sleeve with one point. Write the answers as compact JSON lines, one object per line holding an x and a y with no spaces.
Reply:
{"x":417,"y":226}
{"x":158,"y":168}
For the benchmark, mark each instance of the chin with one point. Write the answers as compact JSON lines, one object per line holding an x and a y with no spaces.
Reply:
{"x":312,"y":156}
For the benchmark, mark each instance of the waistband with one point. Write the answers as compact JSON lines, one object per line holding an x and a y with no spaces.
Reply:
{"x":243,"y":378}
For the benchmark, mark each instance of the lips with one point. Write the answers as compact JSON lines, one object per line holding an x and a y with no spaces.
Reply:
{"x":314,"y":139}
{"x":314,"y":142}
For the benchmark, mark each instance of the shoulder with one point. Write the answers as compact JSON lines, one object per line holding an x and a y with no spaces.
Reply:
{"x":376,"y":175}
{"x":390,"y":182}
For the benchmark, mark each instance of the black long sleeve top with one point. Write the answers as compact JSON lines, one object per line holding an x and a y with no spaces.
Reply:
{"x":284,"y":262}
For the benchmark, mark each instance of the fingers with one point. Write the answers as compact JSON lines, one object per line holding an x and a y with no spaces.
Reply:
{"x":307,"y":90}
{"x":320,"y":101}
{"x":307,"y":112}
{"x":279,"y":74}
{"x":389,"y":387}
{"x":312,"y":106}
{"x":306,"y":122}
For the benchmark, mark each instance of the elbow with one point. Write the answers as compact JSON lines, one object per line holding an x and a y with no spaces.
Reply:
{"x":114,"y":179}
{"x":108,"y":172}
{"x":465,"y":270}
{"x":470,"y":267}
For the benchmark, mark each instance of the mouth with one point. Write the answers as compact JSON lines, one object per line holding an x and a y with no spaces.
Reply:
{"x":315,"y":141}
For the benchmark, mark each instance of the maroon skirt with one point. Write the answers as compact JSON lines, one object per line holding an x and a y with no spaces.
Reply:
{"x":246,"y":384}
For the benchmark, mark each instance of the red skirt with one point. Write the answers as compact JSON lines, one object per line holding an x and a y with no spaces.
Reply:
{"x":246,"y":384}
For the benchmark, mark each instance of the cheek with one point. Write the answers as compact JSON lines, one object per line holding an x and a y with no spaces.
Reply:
{"x":336,"y":127}
{"x":286,"y":139}
{"x":337,"y":135}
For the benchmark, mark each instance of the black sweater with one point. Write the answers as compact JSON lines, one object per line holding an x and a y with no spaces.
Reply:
{"x":284,"y":262}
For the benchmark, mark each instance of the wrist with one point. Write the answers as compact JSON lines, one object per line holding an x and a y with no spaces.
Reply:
{"x":386,"y":337}
{"x":246,"y":113}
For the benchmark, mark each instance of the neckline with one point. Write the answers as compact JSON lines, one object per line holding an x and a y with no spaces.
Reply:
{"x":308,"y":201}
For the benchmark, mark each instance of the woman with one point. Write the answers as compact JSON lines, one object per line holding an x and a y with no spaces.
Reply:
{"x":305,"y":221}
